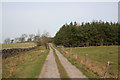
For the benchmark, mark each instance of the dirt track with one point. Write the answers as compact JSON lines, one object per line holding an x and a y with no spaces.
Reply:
{"x":71,"y":70}
{"x":50,"y":69}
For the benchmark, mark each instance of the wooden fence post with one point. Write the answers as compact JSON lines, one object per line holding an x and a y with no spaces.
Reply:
{"x":86,"y":60}
{"x":106,"y":69}
{"x":70,"y":49}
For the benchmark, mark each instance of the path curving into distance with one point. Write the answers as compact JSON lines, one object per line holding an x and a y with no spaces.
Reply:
{"x":50,"y":69}
{"x":71,"y":70}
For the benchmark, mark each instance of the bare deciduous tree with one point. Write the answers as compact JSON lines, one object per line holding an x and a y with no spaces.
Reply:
{"x":37,"y":40}
{"x":31,"y":36}
{"x":7,"y":40}
{"x":16,"y":40}
{"x":44,"y":38}
{"x":23,"y":37}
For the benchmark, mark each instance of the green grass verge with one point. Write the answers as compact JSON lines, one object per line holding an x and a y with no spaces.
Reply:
{"x":18,"y":45}
{"x":63,"y":73}
{"x":89,"y":74}
{"x":98,"y":58}
{"x":25,"y":65}
{"x":0,"y":66}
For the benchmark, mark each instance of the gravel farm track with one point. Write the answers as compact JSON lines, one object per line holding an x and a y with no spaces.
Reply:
{"x":50,"y":69}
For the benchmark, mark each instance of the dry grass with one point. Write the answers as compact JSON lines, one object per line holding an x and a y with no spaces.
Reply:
{"x":96,"y":63}
{"x":18,"y":45}
{"x":25,"y":65}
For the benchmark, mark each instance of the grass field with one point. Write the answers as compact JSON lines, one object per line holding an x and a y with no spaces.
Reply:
{"x":97,"y":58}
{"x":25,"y":65}
{"x":18,"y":45}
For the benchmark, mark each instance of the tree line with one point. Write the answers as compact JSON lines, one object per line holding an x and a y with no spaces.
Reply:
{"x":38,"y":39}
{"x":96,"y":33}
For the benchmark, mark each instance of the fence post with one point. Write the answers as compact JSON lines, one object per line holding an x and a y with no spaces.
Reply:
{"x":70,"y":48}
{"x":106,"y":69}
{"x":86,"y":60}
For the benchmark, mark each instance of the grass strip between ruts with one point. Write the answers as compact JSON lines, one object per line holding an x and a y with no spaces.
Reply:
{"x":63,"y":73}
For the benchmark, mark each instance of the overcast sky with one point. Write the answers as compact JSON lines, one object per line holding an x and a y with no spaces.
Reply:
{"x":29,"y":17}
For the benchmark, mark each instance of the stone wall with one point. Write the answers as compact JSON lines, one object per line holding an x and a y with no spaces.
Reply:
{"x":14,"y":51}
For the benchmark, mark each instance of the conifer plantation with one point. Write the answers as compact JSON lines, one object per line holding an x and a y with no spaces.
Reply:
{"x":96,"y":33}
